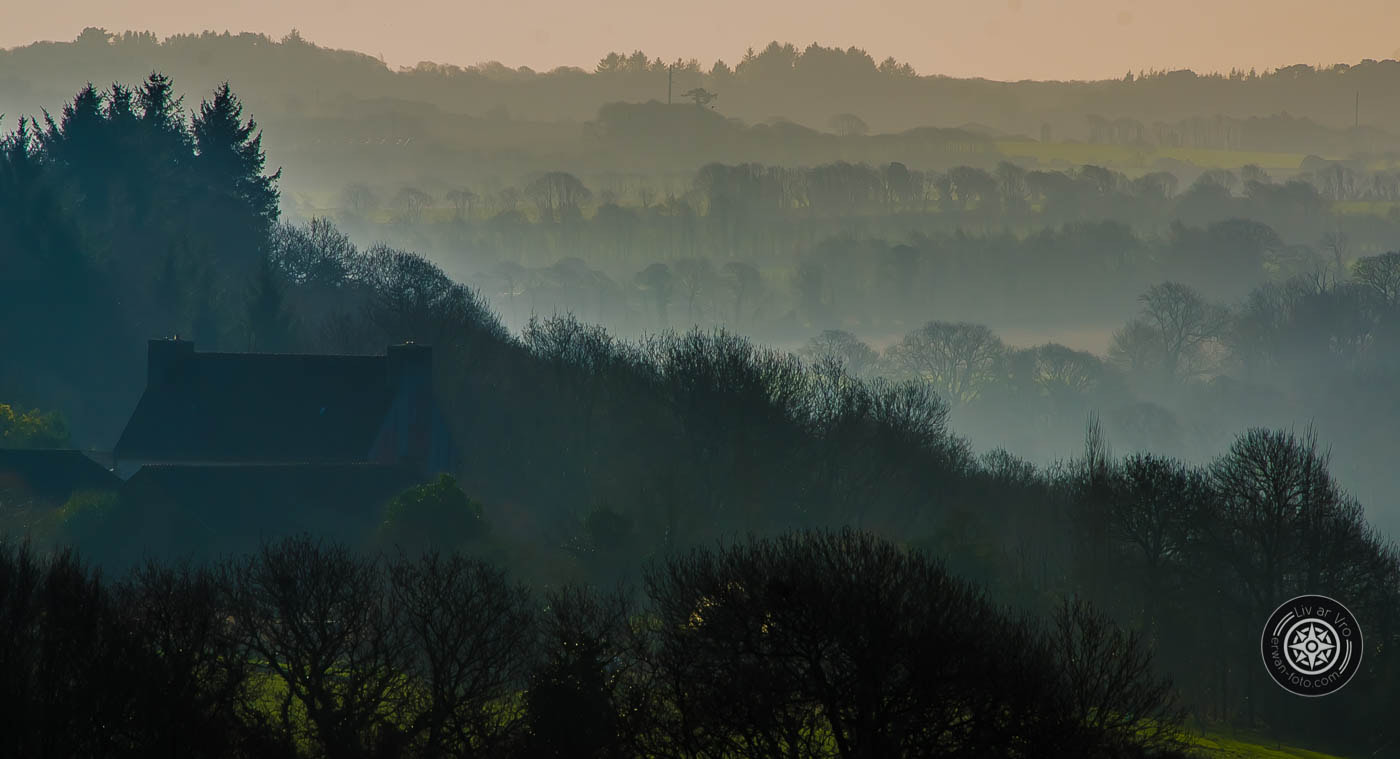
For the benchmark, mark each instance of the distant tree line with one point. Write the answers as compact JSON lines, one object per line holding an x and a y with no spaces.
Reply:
{"x":969,"y":194}
{"x":865,"y":247}
{"x":1177,"y":373}
{"x":293,"y":75}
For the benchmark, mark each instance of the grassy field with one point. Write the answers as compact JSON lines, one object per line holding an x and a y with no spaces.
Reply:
{"x":1253,"y":747}
{"x":1210,"y":745}
{"x":1365,"y":207}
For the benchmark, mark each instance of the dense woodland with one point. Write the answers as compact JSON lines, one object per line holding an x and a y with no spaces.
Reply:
{"x":694,"y":452}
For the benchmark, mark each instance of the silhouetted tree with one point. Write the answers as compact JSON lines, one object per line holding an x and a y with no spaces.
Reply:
{"x":854,"y":356}
{"x":958,"y":360}
{"x":1172,"y":336}
{"x":437,"y":514}
{"x":319,"y":623}
{"x":557,"y":195}
{"x":700,"y":96}
{"x":848,"y":125}
{"x":469,"y":633}
{"x":588,"y":696}
{"x":242,"y":201}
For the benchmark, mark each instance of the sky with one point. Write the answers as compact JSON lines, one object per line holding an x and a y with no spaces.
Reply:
{"x":997,"y":39}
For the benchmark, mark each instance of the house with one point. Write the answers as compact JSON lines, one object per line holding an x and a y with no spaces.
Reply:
{"x":224,"y":450}
{"x":242,"y":409}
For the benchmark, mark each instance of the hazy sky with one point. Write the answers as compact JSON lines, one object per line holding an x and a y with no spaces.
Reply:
{"x":1001,"y":39}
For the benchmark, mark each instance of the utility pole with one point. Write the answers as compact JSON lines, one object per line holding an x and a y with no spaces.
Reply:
{"x":669,"y":70}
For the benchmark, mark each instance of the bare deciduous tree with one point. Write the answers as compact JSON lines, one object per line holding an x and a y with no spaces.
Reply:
{"x":1381,"y":274}
{"x":317,"y":619}
{"x":1110,"y":687}
{"x":1286,"y":526}
{"x":1173,"y":335}
{"x":557,"y":195}
{"x":695,"y":276}
{"x":463,"y":201}
{"x":410,"y":202}
{"x":358,"y":200}
{"x":470,"y":632}
{"x":848,"y":125}
{"x":959,"y":359}
{"x":854,"y":356}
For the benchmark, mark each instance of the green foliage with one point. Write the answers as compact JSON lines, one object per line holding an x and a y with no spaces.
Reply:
{"x":433,"y":515}
{"x":32,"y":428}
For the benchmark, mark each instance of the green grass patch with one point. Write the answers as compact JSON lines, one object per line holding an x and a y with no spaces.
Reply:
{"x":1253,"y":747}
{"x":1365,"y":207}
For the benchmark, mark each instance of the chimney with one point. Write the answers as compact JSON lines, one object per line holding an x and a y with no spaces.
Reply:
{"x":410,"y":375}
{"x":410,"y":365}
{"x":165,"y":359}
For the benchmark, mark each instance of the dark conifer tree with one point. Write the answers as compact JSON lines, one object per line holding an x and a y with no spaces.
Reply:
{"x":74,"y":141}
{"x":161,"y":110}
{"x":231,"y":158}
{"x":167,"y":152}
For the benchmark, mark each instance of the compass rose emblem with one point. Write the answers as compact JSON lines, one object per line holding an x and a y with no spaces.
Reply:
{"x":1312,"y":645}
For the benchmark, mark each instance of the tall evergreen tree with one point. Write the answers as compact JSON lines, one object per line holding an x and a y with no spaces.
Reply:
{"x":165,"y":140}
{"x":162,"y":109}
{"x":239,"y":201}
{"x":75,"y":140}
{"x":231,"y":156}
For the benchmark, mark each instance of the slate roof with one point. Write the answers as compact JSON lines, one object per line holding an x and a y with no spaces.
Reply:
{"x":260,"y":408}
{"x":52,"y":475}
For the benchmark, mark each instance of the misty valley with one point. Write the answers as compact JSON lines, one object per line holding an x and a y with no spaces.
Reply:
{"x":808,"y":406}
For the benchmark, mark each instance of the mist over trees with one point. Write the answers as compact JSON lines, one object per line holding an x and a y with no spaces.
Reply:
{"x":1160,"y":107}
{"x":784,"y":525}
{"x":343,"y":117}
